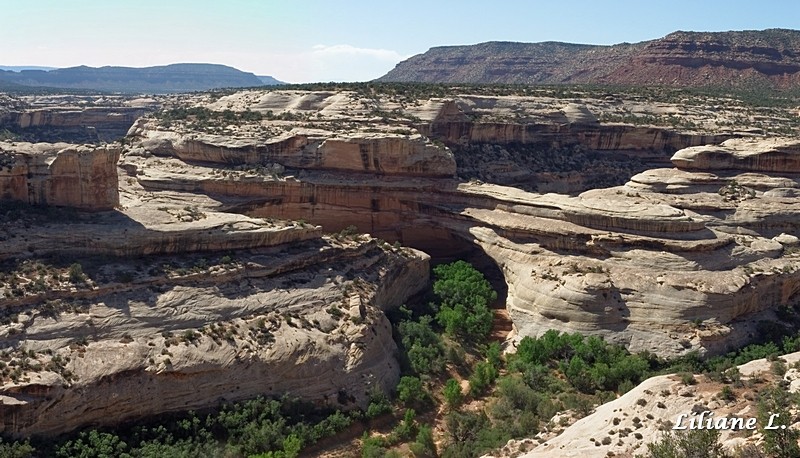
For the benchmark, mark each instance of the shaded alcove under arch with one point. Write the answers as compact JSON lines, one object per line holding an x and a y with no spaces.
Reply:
{"x":412,"y":224}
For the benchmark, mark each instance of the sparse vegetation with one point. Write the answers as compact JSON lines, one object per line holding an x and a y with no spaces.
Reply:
{"x":259,"y":427}
{"x":693,"y":443}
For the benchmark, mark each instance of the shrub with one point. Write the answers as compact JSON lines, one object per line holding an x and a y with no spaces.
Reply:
{"x":15,"y":449}
{"x":410,"y":391}
{"x":423,"y":347}
{"x":378,"y":405}
{"x":424,"y":446}
{"x":373,"y":447}
{"x":452,"y":393}
{"x":494,"y":355}
{"x":727,"y":393}
{"x":407,"y":428}
{"x":76,"y":274}
{"x":687,"y":378}
{"x":780,"y":442}
{"x":484,"y":375}
{"x":696,"y":443}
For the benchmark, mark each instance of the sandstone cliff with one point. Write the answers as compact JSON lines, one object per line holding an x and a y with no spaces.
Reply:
{"x":175,"y":305}
{"x":61,"y":174}
{"x":211,"y":293}
{"x":640,"y":264}
{"x":71,"y":118}
{"x":178,"y":306}
{"x":269,"y":323}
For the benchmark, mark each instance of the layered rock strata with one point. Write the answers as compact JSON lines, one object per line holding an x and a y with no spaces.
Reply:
{"x":766,"y":58}
{"x":167,"y":304}
{"x":676,"y":260}
{"x":70,"y":120}
{"x":61,"y":174}
{"x":304,"y":321}
{"x":679,"y":259}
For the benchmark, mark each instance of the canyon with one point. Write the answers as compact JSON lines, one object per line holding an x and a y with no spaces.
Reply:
{"x":245,"y":243}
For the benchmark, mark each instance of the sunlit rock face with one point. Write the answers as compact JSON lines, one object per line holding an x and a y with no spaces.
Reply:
{"x":221,"y":272}
{"x":60,"y":174}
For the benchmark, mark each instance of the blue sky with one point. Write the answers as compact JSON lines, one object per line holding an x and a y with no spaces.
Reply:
{"x":315,"y":40}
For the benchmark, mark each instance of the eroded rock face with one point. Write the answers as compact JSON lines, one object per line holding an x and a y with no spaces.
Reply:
{"x":687,"y":59}
{"x":769,"y":156}
{"x":180,"y":306}
{"x":72,"y":118}
{"x":60,"y":174}
{"x":269,"y":323}
{"x":675,"y":260}
{"x":389,"y":154}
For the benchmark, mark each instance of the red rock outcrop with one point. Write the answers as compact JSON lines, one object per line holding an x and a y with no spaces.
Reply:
{"x":83,"y":177}
{"x":693,"y":59}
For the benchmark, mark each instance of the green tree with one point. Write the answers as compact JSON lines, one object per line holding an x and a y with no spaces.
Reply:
{"x":464,"y":295}
{"x":94,"y":444}
{"x":452,"y":393}
{"x":410,"y":391}
{"x":424,"y":446}
{"x":780,"y":442}
{"x":291,"y":449}
{"x":458,"y":282}
{"x":422,"y":345}
{"x":76,"y":274}
{"x":407,"y":428}
{"x":16,"y":449}
{"x":483,"y":376}
{"x":373,"y":447}
{"x":494,"y":354}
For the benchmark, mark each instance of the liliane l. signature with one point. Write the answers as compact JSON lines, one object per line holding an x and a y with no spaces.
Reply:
{"x":705,"y":420}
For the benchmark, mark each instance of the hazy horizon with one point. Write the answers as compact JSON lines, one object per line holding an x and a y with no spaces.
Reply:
{"x":356,"y":41}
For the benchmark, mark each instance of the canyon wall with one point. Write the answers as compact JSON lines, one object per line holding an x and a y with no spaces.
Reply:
{"x":272,"y":323}
{"x":196,"y":289}
{"x":675,"y":260}
{"x":60,"y":174}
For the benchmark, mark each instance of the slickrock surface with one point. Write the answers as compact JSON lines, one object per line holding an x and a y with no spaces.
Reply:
{"x":642,"y":415}
{"x":268,"y":323}
{"x":769,"y":156}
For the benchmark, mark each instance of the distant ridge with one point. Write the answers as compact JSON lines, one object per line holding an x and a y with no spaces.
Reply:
{"x":19,"y":68}
{"x":159,"y":79}
{"x":269,"y":81}
{"x":769,"y":58}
